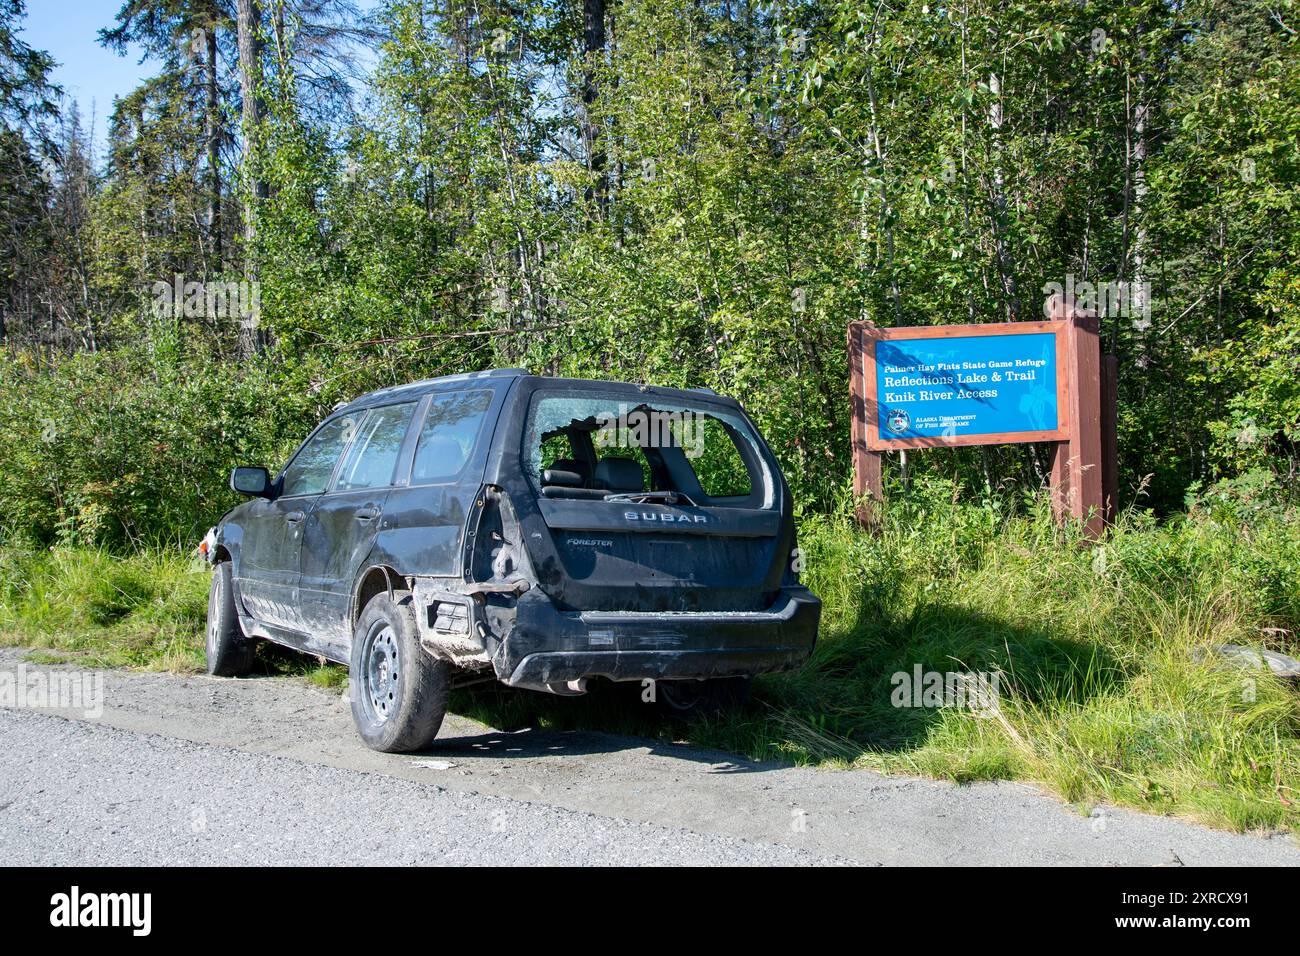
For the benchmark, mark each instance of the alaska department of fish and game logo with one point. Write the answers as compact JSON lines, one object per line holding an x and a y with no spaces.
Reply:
{"x":898,"y":422}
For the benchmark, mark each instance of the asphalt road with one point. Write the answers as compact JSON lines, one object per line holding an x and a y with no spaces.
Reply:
{"x":202,"y":770}
{"x":140,"y":799}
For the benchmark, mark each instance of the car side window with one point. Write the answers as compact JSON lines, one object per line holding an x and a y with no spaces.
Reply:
{"x":310,"y":470}
{"x":448,"y":435}
{"x":373,"y":456}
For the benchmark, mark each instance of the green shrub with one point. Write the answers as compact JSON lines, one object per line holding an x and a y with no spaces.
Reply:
{"x":107,"y":449}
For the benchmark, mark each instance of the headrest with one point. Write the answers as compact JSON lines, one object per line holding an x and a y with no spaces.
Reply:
{"x":556,"y":476}
{"x":579,"y":468}
{"x":619,"y":474}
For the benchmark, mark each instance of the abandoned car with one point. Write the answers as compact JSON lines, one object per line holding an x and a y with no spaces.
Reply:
{"x":537,"y":531}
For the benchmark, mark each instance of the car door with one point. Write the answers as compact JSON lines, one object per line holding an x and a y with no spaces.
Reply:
{"x":270,"y":562}
{"x":341,"y":526}
{"x":426,"y":514}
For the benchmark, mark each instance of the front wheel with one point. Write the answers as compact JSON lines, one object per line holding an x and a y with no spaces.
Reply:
{"x":229,"y":653}
{"x":399,"y":691}
{"x":688,"y":699}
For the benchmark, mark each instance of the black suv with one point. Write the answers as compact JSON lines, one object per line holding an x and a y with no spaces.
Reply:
{"x":538,"y":531}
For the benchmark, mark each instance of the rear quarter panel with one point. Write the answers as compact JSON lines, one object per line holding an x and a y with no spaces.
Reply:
{"x":423,"y":528}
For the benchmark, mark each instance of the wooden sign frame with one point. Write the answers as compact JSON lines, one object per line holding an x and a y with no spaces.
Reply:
{"x":1084,"y":475}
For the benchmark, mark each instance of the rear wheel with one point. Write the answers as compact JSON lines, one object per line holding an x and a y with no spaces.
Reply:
{"x":688,"y":699}
{"x":399,"y":691}
{"x":229,"y":652}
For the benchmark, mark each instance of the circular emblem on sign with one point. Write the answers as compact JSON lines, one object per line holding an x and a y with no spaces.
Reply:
{"x":898,"y":422}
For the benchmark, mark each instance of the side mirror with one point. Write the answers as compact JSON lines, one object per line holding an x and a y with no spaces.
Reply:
{"x":254,"y":482}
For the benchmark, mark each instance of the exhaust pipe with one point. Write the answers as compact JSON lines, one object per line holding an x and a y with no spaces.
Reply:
{"x":571,"y":688}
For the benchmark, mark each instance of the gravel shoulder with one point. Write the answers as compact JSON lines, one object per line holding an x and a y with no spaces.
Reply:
{"x":275,"y":769}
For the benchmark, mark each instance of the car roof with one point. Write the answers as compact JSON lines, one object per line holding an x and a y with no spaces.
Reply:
{"x":504,"y":377}
{"x":493,"y":378}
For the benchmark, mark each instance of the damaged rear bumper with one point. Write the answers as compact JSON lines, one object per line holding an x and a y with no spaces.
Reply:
{"x":548,"y":647}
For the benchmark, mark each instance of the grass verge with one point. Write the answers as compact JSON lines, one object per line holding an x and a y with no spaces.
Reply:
{"x":145,"y":610}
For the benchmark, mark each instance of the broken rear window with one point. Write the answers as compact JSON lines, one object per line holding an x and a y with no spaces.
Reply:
{"x":598,"y":447}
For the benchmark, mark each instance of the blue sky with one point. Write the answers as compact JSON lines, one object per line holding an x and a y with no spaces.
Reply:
{"x":68,"y":31}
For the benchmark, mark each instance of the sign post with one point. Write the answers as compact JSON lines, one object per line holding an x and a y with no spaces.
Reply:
{"x":994,"y":384}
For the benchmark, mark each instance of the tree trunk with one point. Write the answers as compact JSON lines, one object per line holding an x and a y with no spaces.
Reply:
{"x":1137,"y":299}
{"x":213,"y":135}
{"x":593,"y":37}
{"x":248,"y":24}
{"x":998,"y":202}
{"x":281,"y":41}
{"x":885,"y":219}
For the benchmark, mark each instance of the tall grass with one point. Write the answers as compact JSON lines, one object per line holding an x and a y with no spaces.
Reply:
{"x":1107,"y":692}
{"x":143,"y":610}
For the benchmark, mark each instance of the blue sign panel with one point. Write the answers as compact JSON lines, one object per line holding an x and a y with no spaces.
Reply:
{"x":966,"y":386}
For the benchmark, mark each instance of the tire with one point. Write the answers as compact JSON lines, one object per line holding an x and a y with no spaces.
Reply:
{"x":229,"y":653}
{"x":690,"y":699}
{"x":398,"y":690}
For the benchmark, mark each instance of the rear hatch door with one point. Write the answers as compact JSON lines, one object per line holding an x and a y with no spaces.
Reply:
{"x":677,"y":548}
